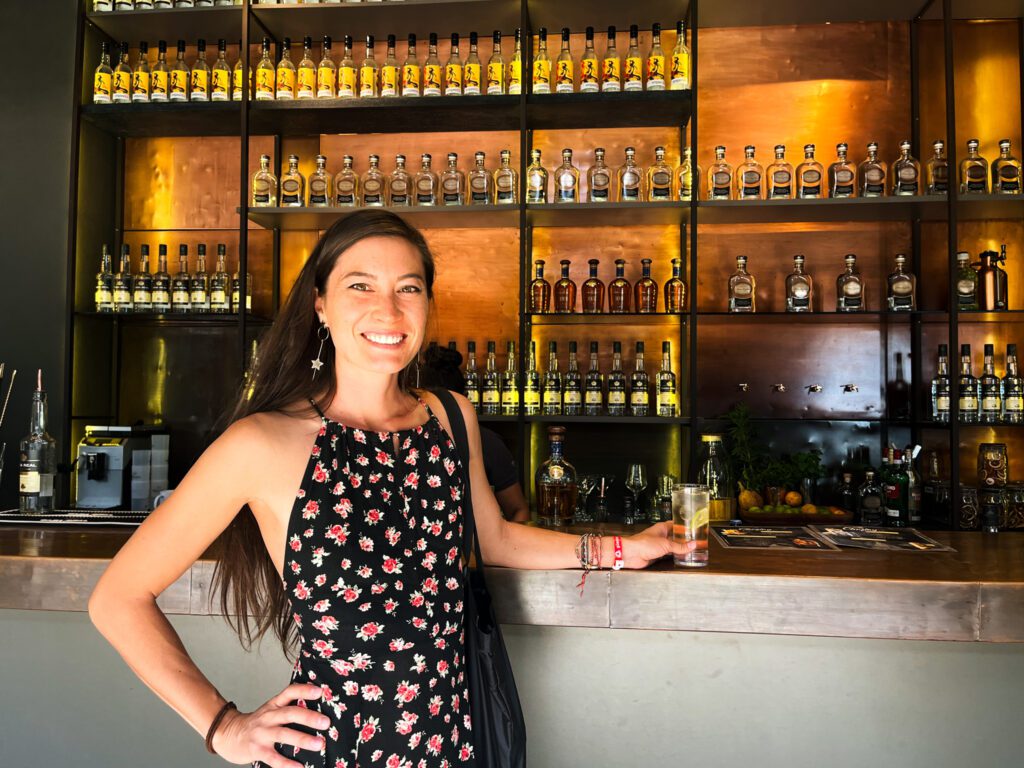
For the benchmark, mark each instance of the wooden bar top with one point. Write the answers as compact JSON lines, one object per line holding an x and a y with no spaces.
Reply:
{"x":973,"y":594}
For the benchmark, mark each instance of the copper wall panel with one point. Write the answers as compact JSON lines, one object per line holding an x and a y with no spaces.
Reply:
{"x":986,"y":70}
{"x":932,"y":79}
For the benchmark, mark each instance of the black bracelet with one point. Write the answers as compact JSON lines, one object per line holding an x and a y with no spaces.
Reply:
{"x":215,"y":724}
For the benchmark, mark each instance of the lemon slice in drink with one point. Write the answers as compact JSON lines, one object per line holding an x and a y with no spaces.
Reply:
{"x":699,"y":518}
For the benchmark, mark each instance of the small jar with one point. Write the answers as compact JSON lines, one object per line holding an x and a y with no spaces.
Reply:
{"x":993,"y":465}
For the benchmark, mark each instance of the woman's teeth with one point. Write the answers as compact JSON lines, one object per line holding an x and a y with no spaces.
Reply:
{"x":379,"y":338}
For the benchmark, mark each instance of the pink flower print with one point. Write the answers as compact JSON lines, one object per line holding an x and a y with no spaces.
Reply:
{"x":430,"y":585}
{"x":311,"y":509}
{"x":419,"y":622}
{"x":364,"y":607}
{"x":350,"y":594}
{"x":455,"y":734}
{"x":394,"y":761}
{"x":351,"y":687}
{"x":452,"y":583}
{"x":320,"y":580}
{"x":434,"y":481}
{"x":435,"y":528}
{"x":412,"y":456}
{"x":406,"y":724}
{"x":455,"y":702}
{"x":389,"y":666}
{"x":414,"y":740}
{"x":325,"y":648}
{"x":308,"y":533}
{"x":452,"y":556}
{"x":362,"y":661}
{"x":296,"y":568}
{"x":434,"y":744}
{"x":435,"y":453}
{"x":369,"y":730}
{"x":344,"y":668}
{"x":343,"y":507}
{"x":345,"y":564}
{"x":465,"y":752}
{"x":391,"y":565}
{"x":449,"y":467}
{"x":373,"y":516}
{"x":295,"y":543}
{"x":372,"y":692}
{"x":399,"y":586}
{"x":369,"y":630}
{"x":467,"y":723}
{"x":440,"y":643}
{"x":406,"y":692}
{"x":359,"y":436}
{"x":398,"y":644}
{"x":355,"y":480}
{"x":390,"y":606}
{"x":320,"y":473}
{"x":364,"y":572}
{"x":326,"y":624}
{"x":301,"y":591}
{"x":392,"y":535}
{"x":338,"y":534}
{"x":366,"y":543}
{"x":442,"y":668}
{"x":321,"y":605}
{"x":429,"y":560}
{"x":438,"y":505}
{"x":376,"y":755}
{"x":338,"y":489}
{"x":421,"y":544}
{"x":420,"y":665}
{"x":416,"y":599}
{"x":377,"y":588}
{"x":435,"y":706}
{"x":385,"y":493}
{"x":323,"y":430}
{"x":412,"y":480}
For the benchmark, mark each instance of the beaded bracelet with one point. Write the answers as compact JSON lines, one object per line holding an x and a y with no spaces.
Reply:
{"x":588,"y":552}
{"x":215,"y":724}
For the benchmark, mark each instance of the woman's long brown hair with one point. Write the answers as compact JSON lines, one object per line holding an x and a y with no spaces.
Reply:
{"x":252,"y":597}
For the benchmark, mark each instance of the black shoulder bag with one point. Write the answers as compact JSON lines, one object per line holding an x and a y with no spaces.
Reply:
{"x":499,"y":731}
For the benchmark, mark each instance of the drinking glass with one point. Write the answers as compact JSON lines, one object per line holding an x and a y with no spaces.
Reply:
{"x":691,"y":522}
{"x":636,"y":482}
{"x":602,"y":484}
{"x":586,"y":484}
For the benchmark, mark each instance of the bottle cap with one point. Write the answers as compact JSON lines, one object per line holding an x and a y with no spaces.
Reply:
{"x":327,"y":41}
{"x":391,"y":41}
{"x":496,"y":37}
{"x":666,"y":347}
{"x":656,"y":29}
{"x":473,"y":38}
{"x":589,"y":33}
{"x":307,"y":42}
{"x":553,"y":346}
{"x":611,"y":34}
{"x":617,"y":346}
{"x":593,"y":347}
{"x":1011,"y":349}
{"x":711,"y":438}
{"x":565,"y":34}
{"x":943,"y":350}
{"x":455,"y":39}
{"x":639,"y":346}
{"x":965,"y":350}
{"x":634,"y":30}
{"x":572,"y":347}
{"x":433,"y":38}
{"x":471,"y":346}
{"x":490,"y":346}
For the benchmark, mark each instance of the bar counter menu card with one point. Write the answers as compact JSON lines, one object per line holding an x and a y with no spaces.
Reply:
{"x":771,"y":537}
{"x":882,"y":539}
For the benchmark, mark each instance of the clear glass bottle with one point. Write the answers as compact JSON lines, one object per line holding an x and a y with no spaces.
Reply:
{"x":639,"y":386}
{"x":720,"y":177}
{"x":472,"y":377}
{"x":432,"y":68}
{"x":536,"y":180}
{"x":991,"y":388}
{"x":496,"y":67}
{"x":633,"y":74}
{"x":611,"y":66}
{"x":716,"y":474}
{"x":565,"y":76}
{"x":531,"y":383}
{"x":902,"y":287}
{"x":293,"y":185}
{"x":872,"y":174}
{"x":749,"y":177}
{"x":973,"y":171}
{"x":668,"y":393}
{"x":453,"y":69}
{"x":320,"y":195}
{"x":142,"y":285}
{"x":220,"y":283}
{"x":645,"y":290}
{"x":967,"y":389}
{"x":687,"y":177}
{"x":453,"y":182}
{"x":326,"y":73}
{"x":941,"y":387}
{"x":266,"y":75}
{"x":1013,"y":389}
{"x":870,"y":501}
{"x":372,"y":185}
{"x":179,"y":79}
{"x":515,"y":66}
{"x":161,"y":295}
{"x":199,"y":290}
{"x":236,"y":291}
{"x":346,"y":185}
{"x":141,"y":78}
{"x":1006,"y":171}
{"x":264,"y":185}
{"x":809,"y":176}
{"x":567,"y":180}
{"x":472,"y":70}
{"x":680,"y":60}
{"x":850,"y":294}
{"x":593,"y":385}
{"x":103,"y":77}
{"x":565,"y":291}
{"x":599,"y":179}
{"x":659,"y":178}
{"x":552,"y":397}
{"x":220,"y":74}
{"x":966,"y":283}
{"x":617,"y":383}
{"x":542,"y":64}
{"x":799,"y":288}
{"x":37,"y":466}
{"x":906,"y":173}
{"x":842,"y":175}
{"x":590,"y":70}
{"x":121,"y":81}
{"x":104,"y":294}
{"x":938,"y":170}
{"x":159,"y":77}
{"x":305,"y":82}
{"x":238,"y":78}
{"x":742,"y":288}
{"x":540,"y":290}
{"x":593,"y":291}
{"x":481,"y":182}
{"x":181,"y":284}
{"x":619,"y":290}
{"x":390,"y":87}
{"x":426,"y":182}
{"x":369,"y":87}
{"x":399,"y":184}
{"x":285,"y":72}
{"x":572,"y":390}
{"x":510,"y":383}
{"x":846,"y":495}
{"x":555,"y":485}
{"x":506,"y":181}
{"x":675,"y":289}
{"x":913,"y":488}
{"x":629,"y":186}
{"x":348,"y":74}
{"x":490,"y":384}
{"x":123,"y":283}
{"x":780,"y":176}
{"x":656,"y":61}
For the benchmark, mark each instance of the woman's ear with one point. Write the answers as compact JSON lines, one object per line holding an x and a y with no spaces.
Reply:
{"x":318,"y":305}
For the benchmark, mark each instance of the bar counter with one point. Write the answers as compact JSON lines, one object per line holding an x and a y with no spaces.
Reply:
{"x":973,"y":594}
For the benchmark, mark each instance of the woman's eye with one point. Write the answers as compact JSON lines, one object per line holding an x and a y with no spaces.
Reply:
{"x":360,"y":287}
{"x":410,"y":289}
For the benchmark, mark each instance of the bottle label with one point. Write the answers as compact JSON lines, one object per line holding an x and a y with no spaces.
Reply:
{"x":965,"y":291}
{"x":842,"y":185}
{"x":347,"y":82}
{"x":750,"y":184}
{"x":639,"y":397}
{"x":541,"y":76}
{"x":630,"y":186}
{"x":940,"y":177}
{"x":179,"y":85}
{"x":346,"y":192}
{"x":906,"y":180}
{"x":505,"y":188}
{"x":372,"y":192}
{"x":181,"y":296}
{"x":473,"y":395}
{"x":515,"y":77}
{"x":510,"y":399}
{"x":976,"y":181}
{"x":593,"y":397}
{"x":104,"y":297}
{"x":536,"y":192}
{"x":531,"y":400}
{"x":564,"y":77}
{"x":991,"y":403}
{"x":655,"y":73}
{"x":326,"y":82}
{"x":285,"y":83}
{"x":572,"y":397}
{"x":874,"y":181}
{"x":291,"y":194}
{"x":307,"y":83}
{"x":264,"y":84}
{"x":219,"y":299}
{"x":668,"y":403}
{"x":495,"y":78}
{"x":389,"y":81}
{"x":616,"y":396}
{"x":199,"y":296}
{"x":472,"y":79}
{"x":367,"y":82}
{"x":122,"y":86}
{"x":236,"y":83}
{"x":611,"y":75}
{"x":221,"y":85}
{"x":318,"y":192}
{"x":661,"y":185}
{"x":158,"y":86}
{"x":101,"y":87}
{"x":680,"y":71}
{"x":552,"y":397}
{"x":1014,"y":403}
{"x":968,"y":403}
{"x":141,"y":296}
{"x":399,"y":192}
{"x":589,"y":79}
{"x":478,"y":189}
{"x":567,"y":188}
{"x":140,"y":86}
{"x":599,"y":185}
{"x":432,"y":80}
{"x":810,"y":184}
{"x":200,"y":85}
{"x":782,"y":182}
{"x":942,"y":403}
{"x":410,"y":81}
{"x":424,"y":191}
{"x":633,"y":75}
{"x":720,"y":183}
{"x":490,"y":397}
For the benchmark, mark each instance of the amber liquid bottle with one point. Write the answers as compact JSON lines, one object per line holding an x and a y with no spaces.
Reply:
{"x":675,"y":289}
{"x":646,"y":290}
{"x":619,"y":290}
{"x":593,"y":291}
{"x":540,"y":290}
{"x":565,"y":291}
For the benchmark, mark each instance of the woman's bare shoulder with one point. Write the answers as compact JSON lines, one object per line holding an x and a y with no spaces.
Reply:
{"x":270,"y":431}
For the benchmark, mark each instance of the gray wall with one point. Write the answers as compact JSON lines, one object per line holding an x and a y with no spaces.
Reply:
{"x":593,"y":697}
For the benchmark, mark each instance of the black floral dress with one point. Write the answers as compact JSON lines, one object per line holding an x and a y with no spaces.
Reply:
{"x":373,"y":574}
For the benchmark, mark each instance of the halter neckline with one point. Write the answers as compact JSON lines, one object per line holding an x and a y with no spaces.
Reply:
{"x":327,"y":420}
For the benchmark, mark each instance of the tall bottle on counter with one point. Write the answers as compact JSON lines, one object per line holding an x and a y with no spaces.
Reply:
{"x":38,"y":459}
{"x":555,"y":484}
{"x":715,"y":474}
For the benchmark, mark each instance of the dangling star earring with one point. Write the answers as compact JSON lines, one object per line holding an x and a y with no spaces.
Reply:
{"x":323,"y":333}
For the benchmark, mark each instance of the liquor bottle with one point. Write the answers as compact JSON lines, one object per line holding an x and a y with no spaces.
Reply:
{"x":567,"y":180}
{"x":347,"y":72}
{"x":496,"y":67}
{"x":590,"y":71}
{"x":389,"y":79}
{"x":266,"y":75}
{"x":895,"y":485}
{"x":37,"y":467}
{"x":680,"y":60}
{"x":481,"y":183}
{"x":399,"y":184}
{"x":645,"y":290}
{"x":199,"y":285}
{"x":611,"y":66}
{"x":966,"y":283}
{"x":506,"y":181}
{"x":326,"y":73}
{"x":179,"y":76}
{"x":346,"y":185}
{"x":158,"y":81}
{"x":141,"y":78}
{"x":599,"y":179}
{"x":220,"y":284}
{"x":593,"y":291}
{"x":472,"y":69}
{"x":656,"y":61}
{"x":123,"y":283}
{"x":368,"y":73}
{"x":542,"y":64}
{"x":305,"y":87}
{"x":675,"y":289}
{"x":973,"y":171}
{"x":742,"y":288}
{"x":639,"y":386}
{"x":668,"y":396}
{"x":104,"y":294}
{"x":531,"y":384}
{"x":320,"y":185}
{"x":572,"y":390}
{"x":967,"y":389}
{"x":293,"y":185}
{"x":799,"y":288}
{"x":871,"y":174}
{"x":453,"y":71}
{"x":121,"y":81}
{"x":629,"y":186}
{"x":913,"y":488}
{"x":264,"y":185}
{"x":659,"y":178}
{"x":906,"y":173}
{"x":552,"y":398}
{"x":941,"y":388}
{"x":515,"y":66}
{"x":938,"y":170}
{"x":842,"y":175}
{"x":432,"y":68}
{"x":902,"y":288}
{"x":161,"y":295}
{"x":1013,"y":389}
{"x":809,"y":176}
{"x":870,"y":501}
{"x":453,"y":182}
{"x":426,"y":182}
{"x":850,"y":294}
{"x":992,"y":283}
{"x":285,"y":72}
{"x":780,"y":176}
{"x":616,"y":383}
{"x":846,"y":496}
{"x":593,"y":385}
{"x":181,"y":285}
{"x":472,"y":377}
{"x":142,"y":285}
{"x":103,"y":78}
{"x":510,"y":383}
{"x":619,"y":290}
{"x":490,"y":385}
{"x":555,"y":484}
{"x":565,"y":291}
{"x":220,"y":75}
{"x":565,"y":80}
{"x":1006,"y":171}
{"x":540,"y":290}
{"x":633,"y":74}
{"x":720,"y":177}
{"x":536,"y":179}
{"x":687,"y":177}
{"x":236,"y":295}
{"x":749,"y":177}
{"x":991,"y":388}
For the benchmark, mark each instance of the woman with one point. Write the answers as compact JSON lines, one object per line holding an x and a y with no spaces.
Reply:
{"x":361,"y":567}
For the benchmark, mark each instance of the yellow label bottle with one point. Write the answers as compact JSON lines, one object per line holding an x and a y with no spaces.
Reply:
{"x":367,"y":82}
{"x":326,"y":87}
{"x":680,"y":71}
{"x":495,"y":78}
{"x":611,"y":75}
{"x":411,"y":80}
{"x":307,"y":83}
{"x":122,"y":85}
{"x":179,"y":85}
{"x":453,"y":79}
{"x":140,"y":86}
{"x":471,"y":83}
{"x":388,"y":80}
{"x":221,"y":85}
{"x":285,"y":83}
{"x":541,"y":76}
{"x":634,"y":75}
{"x":101,"y":87}
{"x":346,"y":82}
{"x":200,"y":85}
{"x":589,"y":78}
{"x":656,"y":73}
{"x":515,"y":77}
{"x":158,"y":85}
{"x":432,"y":80}
{"x":564,"y":77}
{"x":265,"y":84}
{"x":236,"y":83}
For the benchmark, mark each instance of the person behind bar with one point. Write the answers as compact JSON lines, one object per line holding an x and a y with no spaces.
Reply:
{"x":441,"y":367}
{"x":358,"y":574}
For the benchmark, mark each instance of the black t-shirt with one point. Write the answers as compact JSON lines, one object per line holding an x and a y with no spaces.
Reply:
{"x":498,"y":461}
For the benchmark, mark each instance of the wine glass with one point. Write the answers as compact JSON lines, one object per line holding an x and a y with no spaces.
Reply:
{"x":586,"y":485}
{"x":636,"y":482}
{"x":602,"y":483}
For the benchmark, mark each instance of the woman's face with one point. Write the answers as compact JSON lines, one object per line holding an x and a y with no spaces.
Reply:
{"x":376,"y":305}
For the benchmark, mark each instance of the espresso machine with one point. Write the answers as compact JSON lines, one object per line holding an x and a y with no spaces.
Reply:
{"x":117,"y":466}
